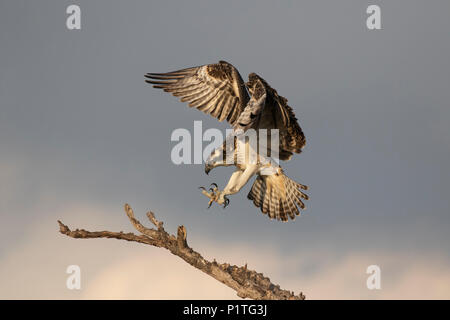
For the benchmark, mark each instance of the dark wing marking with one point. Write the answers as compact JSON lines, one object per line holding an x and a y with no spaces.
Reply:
{"x":216,"y":89}
{"x":276,"y":114}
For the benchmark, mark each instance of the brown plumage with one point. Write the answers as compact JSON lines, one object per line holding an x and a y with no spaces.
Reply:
{"x":218,"y":89}
{"x":279,"y":115}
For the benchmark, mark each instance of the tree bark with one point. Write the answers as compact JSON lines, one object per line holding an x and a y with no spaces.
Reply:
{"x":247,"y":283}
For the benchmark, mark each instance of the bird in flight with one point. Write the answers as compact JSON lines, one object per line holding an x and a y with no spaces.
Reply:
{"x":218,"y":89}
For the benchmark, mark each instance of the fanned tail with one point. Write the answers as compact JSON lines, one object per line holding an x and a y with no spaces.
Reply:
{"x":278,"y":196}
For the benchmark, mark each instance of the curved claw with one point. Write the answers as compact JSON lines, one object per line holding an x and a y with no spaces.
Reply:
{"x":214,"y":184}
{"x":203,"y":188}
{"x":226,"y":203}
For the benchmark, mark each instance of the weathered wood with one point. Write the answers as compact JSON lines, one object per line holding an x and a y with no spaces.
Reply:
{"x":247,"y":283}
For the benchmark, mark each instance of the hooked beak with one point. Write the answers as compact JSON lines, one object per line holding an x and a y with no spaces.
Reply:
{"x":207,"y":169}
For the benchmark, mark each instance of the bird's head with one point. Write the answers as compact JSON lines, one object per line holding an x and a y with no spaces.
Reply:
{"x":208,"y":168}
{"x":215,"y":158}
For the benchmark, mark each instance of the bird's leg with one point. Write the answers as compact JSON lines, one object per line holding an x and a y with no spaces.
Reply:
{"x":237,"y":180}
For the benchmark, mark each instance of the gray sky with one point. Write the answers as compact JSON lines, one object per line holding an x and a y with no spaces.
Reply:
{"x":81,"y":133}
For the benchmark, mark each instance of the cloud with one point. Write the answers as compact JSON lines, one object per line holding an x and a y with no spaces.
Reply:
{"x":403,"y":276}
{"x":155,"y":275}
{"x":9,"y":184}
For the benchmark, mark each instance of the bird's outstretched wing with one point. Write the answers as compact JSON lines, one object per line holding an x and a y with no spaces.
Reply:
{"x":216,"y":89}
{"x":276,"y":114}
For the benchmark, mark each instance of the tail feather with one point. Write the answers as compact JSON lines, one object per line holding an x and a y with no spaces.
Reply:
{"x":265,"y":200}
{"x":278,"y":196}
{"x":295,"y":194}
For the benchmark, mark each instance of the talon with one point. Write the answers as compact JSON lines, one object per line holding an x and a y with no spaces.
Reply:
{"x":214,"y":195}
{"x":226,"y":203}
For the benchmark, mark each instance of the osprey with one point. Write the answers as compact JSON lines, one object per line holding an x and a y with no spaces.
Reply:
{"x":218,"y":89}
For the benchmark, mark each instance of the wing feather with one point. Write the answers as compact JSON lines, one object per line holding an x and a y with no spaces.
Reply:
{"x":213,"y":103}
{"x":203,"y":98}
{"x":216,"y":89}
{"x":277,"y":114}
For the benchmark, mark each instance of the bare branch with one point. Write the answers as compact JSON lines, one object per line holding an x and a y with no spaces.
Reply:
{"x":247,"y":283}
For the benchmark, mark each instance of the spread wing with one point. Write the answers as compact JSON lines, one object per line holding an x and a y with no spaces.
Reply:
{"x":216,"y":89}
{"x":276,"y":114}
